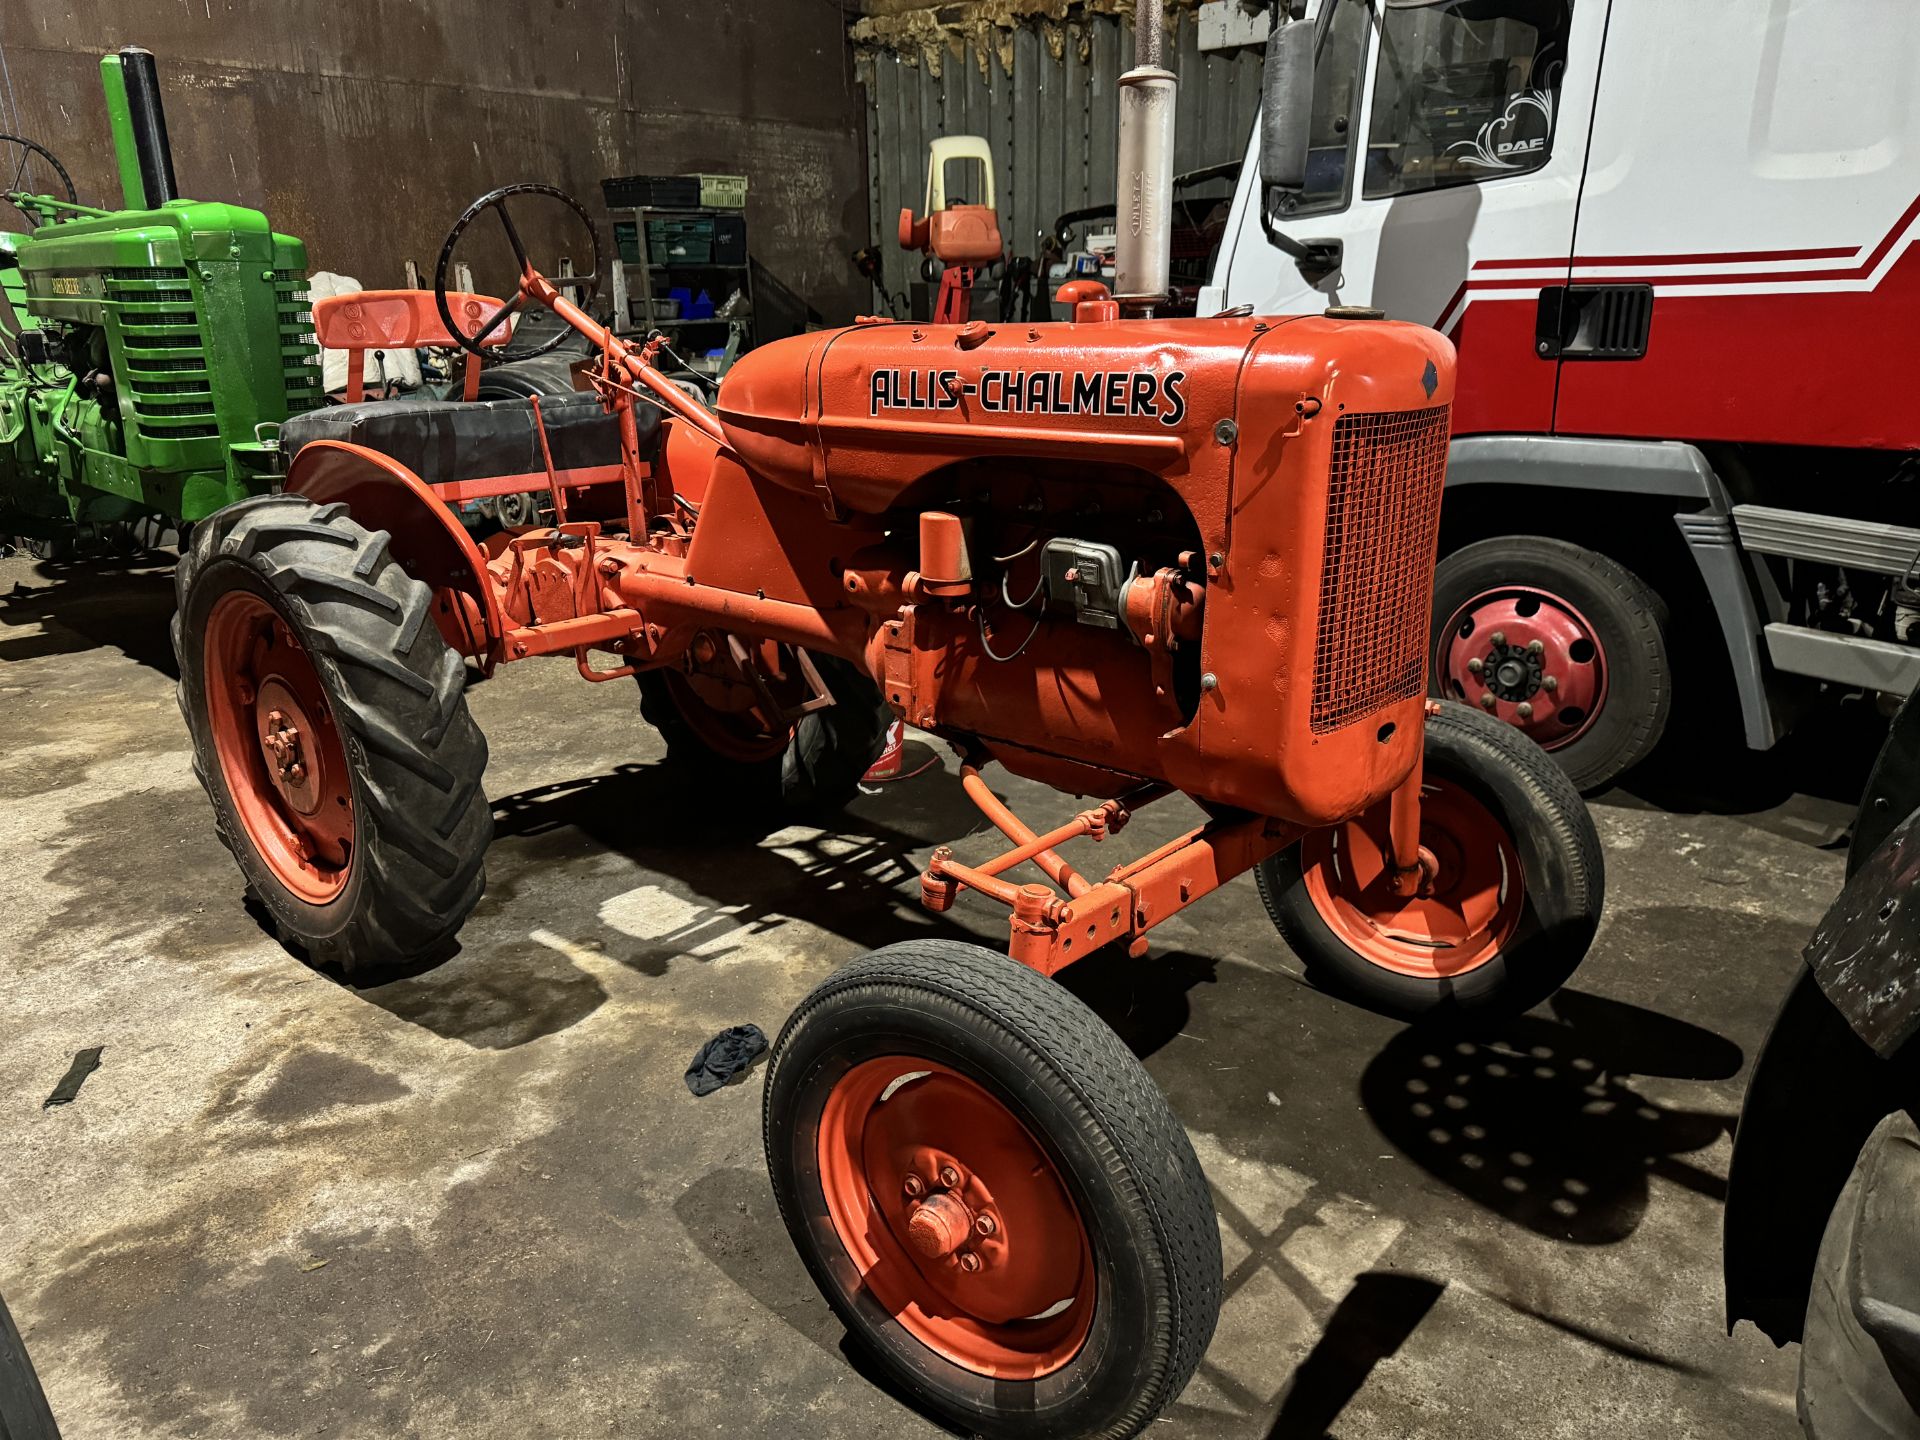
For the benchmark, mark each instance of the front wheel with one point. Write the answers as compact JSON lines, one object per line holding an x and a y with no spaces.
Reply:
{"x":330,"y":729}
{"x":1506,"y":914}
{"x":992,"y":1194}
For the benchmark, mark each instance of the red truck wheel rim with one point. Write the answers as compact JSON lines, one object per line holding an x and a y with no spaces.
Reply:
{"x":278,"y":747}
{"x":1540,"y":664}
{"x":1466,"y":910}
{"x":955,"y":1218}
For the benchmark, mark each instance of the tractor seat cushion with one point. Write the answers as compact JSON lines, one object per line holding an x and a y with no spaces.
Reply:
{"x":443,"y":440}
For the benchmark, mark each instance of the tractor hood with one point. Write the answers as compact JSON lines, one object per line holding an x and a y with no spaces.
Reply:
{"x":859,"y":415}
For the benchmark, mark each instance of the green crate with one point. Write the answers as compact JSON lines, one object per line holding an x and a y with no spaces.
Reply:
{"x":681,"y":242}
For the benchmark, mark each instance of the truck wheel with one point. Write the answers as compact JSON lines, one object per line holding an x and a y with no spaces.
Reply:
{"x":1511,"y":907}
{"x":330,"y":729}
{"x":992,"y":1194}
{"x":1563,"y":643}
{"x":812,"y":766}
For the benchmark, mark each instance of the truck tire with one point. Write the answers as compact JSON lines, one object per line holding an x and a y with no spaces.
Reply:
{"x":330,"y":730}
{"x":1514,"y":904}
{"x":1602,"y":637}
{"x":813,"y":768}
{"x":992,"y":1194}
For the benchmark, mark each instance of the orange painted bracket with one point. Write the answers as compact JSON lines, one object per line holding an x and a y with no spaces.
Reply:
{"x":1049,"y":931}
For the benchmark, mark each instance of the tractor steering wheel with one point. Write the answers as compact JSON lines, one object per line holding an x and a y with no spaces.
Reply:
{"x":16,"y":172}
{"x":497,"y":200}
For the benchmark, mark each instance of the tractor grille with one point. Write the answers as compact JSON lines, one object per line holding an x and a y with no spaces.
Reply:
{"x":1376,"y":579}
{"x":160,"y":336}
{"x":299,"y":351}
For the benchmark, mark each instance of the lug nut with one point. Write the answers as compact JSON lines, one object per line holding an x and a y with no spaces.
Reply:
{"x":983,"y":1226}
{"x":969,"y":1262}
{"x":1525,"y":710}
{"x":914,"y":1186}
{"x":1487,"y":701}
{"x":949,"y":1177}
{"x":1536,"y":647}
{"x":1476,"y":665}
{"x":1499,"y":637}
{"x":1551,"y":683}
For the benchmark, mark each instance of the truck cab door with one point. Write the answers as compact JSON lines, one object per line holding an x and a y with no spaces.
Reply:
{"x":1445,"y":158}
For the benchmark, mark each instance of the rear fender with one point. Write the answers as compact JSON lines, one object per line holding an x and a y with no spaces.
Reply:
{"x":425,"y":536}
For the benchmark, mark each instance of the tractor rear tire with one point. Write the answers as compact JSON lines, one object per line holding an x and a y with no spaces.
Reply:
{"x":817,"y":772}
{"x":1603,"y":632}
{"x":373,"y":857}
{"x":1065,"y":1279}
{"x":1514,"y":905}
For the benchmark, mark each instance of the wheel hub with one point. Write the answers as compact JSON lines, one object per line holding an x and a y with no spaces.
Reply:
{"x":1526,"y":656}
{"x":955,"y":1218}
{"x":280,"y":755}
{"x":283,"y":728}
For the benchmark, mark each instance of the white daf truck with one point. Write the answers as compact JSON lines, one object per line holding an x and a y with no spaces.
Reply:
{"x":1672,"y":242}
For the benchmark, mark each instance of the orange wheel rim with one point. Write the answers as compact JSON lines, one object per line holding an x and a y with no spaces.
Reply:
{"x":1466,"y":911}
{"x":957,"y":1222}
{"x":727,"y":717}
{"x":278,"y":747}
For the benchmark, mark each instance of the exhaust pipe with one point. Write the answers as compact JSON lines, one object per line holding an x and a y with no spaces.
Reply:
{"x":1142,"y":266}
{"x":149,"y":125}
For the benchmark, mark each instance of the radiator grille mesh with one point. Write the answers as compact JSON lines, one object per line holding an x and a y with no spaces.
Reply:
{"x":1376,"y":583}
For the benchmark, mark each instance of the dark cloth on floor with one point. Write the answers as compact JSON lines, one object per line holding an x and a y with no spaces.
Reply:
{"x":725,"y":1056}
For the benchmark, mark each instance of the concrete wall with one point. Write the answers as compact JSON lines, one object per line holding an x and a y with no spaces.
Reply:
{"x":366,"y":126}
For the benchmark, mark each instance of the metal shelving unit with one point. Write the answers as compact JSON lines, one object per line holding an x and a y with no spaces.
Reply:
{"x":637,"y":284}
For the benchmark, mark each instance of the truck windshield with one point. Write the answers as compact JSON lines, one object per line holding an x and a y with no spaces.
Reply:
{"x":1464,"y":92}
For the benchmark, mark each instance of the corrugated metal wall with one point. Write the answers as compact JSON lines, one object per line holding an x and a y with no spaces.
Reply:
{"x":1051,"y":120}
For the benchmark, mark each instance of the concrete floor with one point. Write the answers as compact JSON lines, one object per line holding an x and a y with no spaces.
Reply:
{"x":480,"y":1201}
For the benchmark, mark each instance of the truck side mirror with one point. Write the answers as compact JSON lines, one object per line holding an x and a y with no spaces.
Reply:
{"x":1286,"y":102}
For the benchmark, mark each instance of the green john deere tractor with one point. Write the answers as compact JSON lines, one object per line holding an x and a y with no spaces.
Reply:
{"x":149,"y":351}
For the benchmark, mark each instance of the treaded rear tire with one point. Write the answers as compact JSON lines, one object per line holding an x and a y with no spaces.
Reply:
{"x":397,"y":691}
{"x":1107,"y":1128}
{"x":820,"y":769}
{"x":1560,"y":858}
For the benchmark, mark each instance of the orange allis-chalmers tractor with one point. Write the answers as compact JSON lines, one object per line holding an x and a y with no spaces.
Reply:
{"x":1124,"y":557}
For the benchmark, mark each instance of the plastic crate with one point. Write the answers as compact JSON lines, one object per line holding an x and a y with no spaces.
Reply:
{"x":680,"y":242}
{"x":723,"y":192}
{"x":665,"y":191}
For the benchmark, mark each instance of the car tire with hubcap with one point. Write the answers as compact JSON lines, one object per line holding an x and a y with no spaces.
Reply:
{"x":1561,"y":642}
{"x":330,"y":729}
{"x":992,"y":1194}
{"x":1502,"y":918}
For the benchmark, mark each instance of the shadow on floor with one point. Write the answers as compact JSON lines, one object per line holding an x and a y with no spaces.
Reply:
{"x":1825,"y":759}
{"x":85,"y":604}
{"x":718,"y":871}
{"x":1370,"y":1324}
{"x":1539,"y":1121}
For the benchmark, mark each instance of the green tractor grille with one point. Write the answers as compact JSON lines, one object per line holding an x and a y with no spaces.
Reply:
{"x":299,"y":351}
{"x":166,"y":354}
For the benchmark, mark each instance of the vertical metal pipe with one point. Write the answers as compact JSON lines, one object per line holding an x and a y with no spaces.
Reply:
{"x":1142,"y":261}
{"x":126,"y":155}
{"x":149,"y":125}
